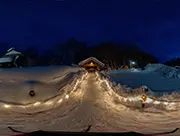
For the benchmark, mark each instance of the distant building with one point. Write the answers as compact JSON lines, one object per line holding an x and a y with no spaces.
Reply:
{"x":91,"y":64}
{"x":12,"y":59}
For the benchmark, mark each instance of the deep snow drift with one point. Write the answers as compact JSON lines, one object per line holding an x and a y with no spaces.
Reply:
{"x":162,"y":83}
{"x":163,"y":70}
{"x":47,"y":82}
{"x":92,"y":102}
{"x":86,"y":99}
{"x":157,"y":77}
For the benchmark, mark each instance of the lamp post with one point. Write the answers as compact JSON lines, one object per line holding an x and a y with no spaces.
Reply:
{"x":132,"y":63}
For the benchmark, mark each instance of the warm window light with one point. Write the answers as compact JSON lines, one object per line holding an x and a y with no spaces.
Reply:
{"x":91,"y":63}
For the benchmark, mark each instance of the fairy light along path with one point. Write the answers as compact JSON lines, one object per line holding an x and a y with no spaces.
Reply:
{"x":92,"y":104}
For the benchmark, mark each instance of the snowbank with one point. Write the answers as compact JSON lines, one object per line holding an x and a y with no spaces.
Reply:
{"x":166,"y":71}
{"x":163,"y":70}
{"x":157,"y":77}
{"x":47,"y":82}
{"x":43,"y":74}
{"x":127,"y":92}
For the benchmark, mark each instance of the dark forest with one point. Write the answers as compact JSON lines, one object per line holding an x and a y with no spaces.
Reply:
{"x":73,"y":51}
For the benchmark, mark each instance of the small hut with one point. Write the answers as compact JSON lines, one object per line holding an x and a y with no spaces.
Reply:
{"x":92,"y":64}
{"x":11,"y":59}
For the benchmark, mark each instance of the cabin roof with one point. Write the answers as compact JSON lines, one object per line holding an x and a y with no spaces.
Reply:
{"x":91,"y":59}
{"x":13,"y":52}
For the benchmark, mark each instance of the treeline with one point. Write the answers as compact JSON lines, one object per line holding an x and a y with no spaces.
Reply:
{"x":73,"y":51}
{"x":173,"y":62}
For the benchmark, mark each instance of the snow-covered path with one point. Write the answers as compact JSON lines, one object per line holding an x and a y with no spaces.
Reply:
{"x":91,"y":104}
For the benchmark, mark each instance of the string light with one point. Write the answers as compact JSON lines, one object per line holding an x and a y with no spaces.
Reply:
{"x":165,"y":103}
{"x":75,"y":86}
{"x":145,"y":98}
{"x":137,"y":98}
{"x":67,"y":96}
{"x":6,"y":106}
{"x":48,"y":103}
{"x":37,"y":103}
{"x":172,"y":103}
{"x":79,"y":81}
{"x":156,"y":102}
{"x":60,"y":101}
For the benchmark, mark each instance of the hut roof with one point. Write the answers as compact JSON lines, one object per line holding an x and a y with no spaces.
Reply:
{"x":91,"y":59}
{"x":11,"y":51}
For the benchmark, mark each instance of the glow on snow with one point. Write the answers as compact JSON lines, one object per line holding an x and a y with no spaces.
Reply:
{"x":7,"y":106}
{"x":49,"y":102}
{"x":139,"y":98}
{"x":37,"y":103}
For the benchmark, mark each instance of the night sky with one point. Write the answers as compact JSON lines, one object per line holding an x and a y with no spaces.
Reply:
{"x":153,"y":24}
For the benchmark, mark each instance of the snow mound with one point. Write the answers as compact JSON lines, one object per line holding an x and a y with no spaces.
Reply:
{"x":166,"y":71}
{"x":125,"y":91}
{"x":46,"y":82}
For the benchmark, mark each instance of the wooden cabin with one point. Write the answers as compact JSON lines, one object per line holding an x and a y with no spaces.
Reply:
{"x":92,"y":64}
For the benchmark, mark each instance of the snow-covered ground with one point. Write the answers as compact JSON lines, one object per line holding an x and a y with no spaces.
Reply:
{"x":47,"y":82}
{"x":84,"y":99}
{"x":157,"y":77}
{"x":91,"y":103}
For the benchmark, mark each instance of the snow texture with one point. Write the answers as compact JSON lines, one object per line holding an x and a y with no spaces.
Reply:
{"x":93,"y":103}
{"x":157,"y":77}
{"x":92,"y":100}
{"x":166,"y":71}
{"x":12,"y":52}
{"x":15,"y":84}
{"x":5,"y":59}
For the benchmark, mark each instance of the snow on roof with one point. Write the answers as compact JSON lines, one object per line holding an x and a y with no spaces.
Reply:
{"x":10,"y":49}
{"x":91,"y":59}
{"x":12,"y":52}
{"x":5,"y":59}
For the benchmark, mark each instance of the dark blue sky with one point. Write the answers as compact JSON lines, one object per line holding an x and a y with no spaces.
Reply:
{"x":153,"y":24}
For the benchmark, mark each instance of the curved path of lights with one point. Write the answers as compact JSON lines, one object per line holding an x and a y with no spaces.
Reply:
{"x":141,"y":99}
{"x":48,"y":104}
{"x":95,"y":107}
{"x":169,"y":105}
